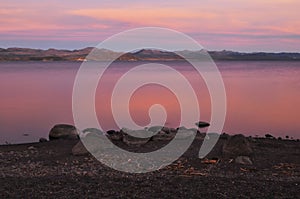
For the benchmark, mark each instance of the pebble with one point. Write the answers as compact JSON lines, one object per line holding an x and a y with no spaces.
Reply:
{"x":31,"y":148}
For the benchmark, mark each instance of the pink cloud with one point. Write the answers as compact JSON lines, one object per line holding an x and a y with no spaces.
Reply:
{"x":247,"y":20}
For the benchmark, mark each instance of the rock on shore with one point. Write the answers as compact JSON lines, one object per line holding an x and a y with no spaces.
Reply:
{"x":64,"y":131}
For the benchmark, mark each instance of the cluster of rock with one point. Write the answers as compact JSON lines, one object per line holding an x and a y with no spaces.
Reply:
{"x":236,"y":147}
{"x":127,"y":136}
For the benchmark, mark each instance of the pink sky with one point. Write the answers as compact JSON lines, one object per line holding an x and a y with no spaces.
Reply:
{"x":256,"y":25}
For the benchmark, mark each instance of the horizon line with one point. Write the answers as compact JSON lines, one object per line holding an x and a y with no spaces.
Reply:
{"x":208,"y":50}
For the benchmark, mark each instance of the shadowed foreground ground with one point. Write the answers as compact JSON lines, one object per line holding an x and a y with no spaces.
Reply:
{"x":49,"y":170}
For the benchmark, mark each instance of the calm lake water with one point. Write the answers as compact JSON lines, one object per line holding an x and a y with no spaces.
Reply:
{"x":262,"y":97}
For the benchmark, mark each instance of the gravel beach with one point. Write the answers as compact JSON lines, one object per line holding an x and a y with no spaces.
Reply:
{"x":50,"y":170}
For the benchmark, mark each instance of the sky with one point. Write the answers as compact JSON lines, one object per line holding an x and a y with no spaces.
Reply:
{"x":239,"y":25}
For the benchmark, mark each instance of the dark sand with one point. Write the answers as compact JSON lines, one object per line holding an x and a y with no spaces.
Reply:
{"x":49,"y":170}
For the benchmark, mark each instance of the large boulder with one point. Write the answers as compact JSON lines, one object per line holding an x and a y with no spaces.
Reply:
{"x":64,"y":131}
{"x":237,"y":145}
{"x":136,"y":137}
{"x":93,"y":142}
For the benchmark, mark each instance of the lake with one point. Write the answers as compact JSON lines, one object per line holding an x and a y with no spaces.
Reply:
{"x":262,"y":97}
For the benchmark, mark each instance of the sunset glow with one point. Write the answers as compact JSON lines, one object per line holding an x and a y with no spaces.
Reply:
{"x":233,"y":25}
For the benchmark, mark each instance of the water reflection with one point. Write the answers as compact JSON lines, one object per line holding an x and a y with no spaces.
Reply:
{"x":262,"y":97}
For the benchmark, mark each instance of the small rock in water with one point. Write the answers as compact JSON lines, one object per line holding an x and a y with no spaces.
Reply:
{"x":202,"y":124}
{"x":269,"y":136}
{"x":243,"y":160}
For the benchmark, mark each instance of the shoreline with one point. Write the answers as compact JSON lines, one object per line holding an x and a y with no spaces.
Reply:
{"x":280,"y":138}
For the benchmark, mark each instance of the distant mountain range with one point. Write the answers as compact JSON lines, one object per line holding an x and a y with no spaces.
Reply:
{"x":27,"y":54}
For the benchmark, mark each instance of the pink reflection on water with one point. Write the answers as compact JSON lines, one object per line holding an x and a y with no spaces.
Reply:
{"x":151,"y":94}
{"x":34,"y":97}
{"x":262,"y":98}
